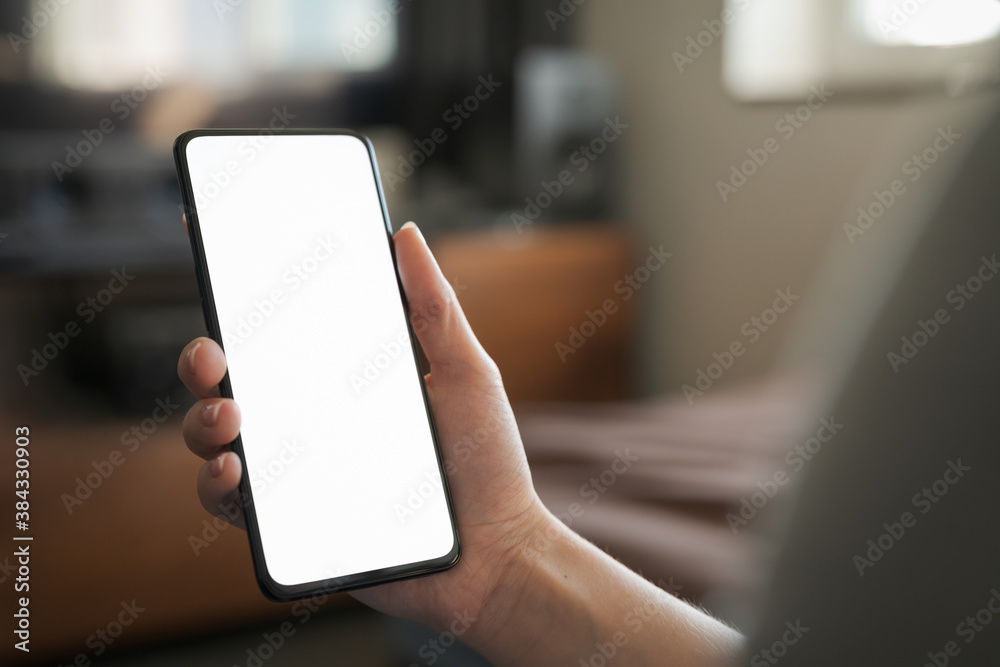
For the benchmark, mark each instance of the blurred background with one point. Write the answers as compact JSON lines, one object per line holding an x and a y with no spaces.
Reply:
{"x":727,"y":172}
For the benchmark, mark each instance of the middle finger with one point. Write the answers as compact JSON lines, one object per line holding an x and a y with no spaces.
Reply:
{"x":211,"y":423}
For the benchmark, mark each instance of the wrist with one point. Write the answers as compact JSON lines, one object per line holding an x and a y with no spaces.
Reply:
{"x":534,"y":596}
{"x":558,"y":599}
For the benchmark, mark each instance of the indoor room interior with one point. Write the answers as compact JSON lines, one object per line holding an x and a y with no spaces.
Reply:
{"x":669,"y":223}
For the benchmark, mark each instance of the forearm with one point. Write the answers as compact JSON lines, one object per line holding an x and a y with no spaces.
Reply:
{"x":568,"y":603}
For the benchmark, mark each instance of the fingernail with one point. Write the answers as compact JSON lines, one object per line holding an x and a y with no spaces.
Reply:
{"x":210,"y":414}
{"x":189,"y":357}
{"x":217,"y":465}
{"x":412,"y":225}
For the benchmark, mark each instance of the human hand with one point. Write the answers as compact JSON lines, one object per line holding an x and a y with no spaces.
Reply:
{"x":496,"y":507}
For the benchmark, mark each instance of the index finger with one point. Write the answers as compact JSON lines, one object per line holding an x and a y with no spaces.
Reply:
{"x":438,"y":320}
{"x":201,"y":367}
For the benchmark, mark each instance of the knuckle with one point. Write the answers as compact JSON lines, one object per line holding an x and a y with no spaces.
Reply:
{"x":433,"y":311}
{"x":479,"y":368}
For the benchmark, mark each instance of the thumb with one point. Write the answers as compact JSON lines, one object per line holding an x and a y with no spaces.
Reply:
{"x":438,"y":321}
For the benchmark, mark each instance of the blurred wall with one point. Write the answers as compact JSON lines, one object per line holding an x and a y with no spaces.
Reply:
{"x":685,"y":134}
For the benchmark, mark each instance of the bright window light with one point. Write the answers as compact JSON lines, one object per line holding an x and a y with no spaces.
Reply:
{"x":111,"y":44}
{"x":778,"y":49}
{"x":929,"y":22}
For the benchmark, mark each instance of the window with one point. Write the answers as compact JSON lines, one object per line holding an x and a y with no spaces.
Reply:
{"x":776,"y":49}
{"x":226,"y":44}
{"x":927,"y":22}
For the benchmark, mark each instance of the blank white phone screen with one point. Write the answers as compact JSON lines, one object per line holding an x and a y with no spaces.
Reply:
{"x":339,"y":452}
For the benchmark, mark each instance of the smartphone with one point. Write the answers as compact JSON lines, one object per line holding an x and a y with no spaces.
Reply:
{"x":343,"y":484}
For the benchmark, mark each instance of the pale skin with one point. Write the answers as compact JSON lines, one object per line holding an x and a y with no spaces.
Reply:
{"x":539,"y":593}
